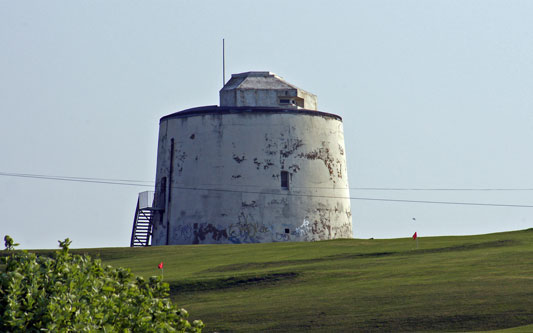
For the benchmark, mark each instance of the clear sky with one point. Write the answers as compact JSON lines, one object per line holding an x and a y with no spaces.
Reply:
{"x":433,"y":94}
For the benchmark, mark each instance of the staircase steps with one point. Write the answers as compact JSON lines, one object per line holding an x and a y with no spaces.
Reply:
{"x":142,"y":227}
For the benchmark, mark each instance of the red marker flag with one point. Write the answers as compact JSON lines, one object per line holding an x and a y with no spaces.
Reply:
{"x":160,"y":266}
{"x":415,"y":236}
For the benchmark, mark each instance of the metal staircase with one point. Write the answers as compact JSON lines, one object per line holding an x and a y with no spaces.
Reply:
{"x":142,"y":223}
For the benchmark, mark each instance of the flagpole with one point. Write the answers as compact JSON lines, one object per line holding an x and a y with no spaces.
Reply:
{"x":160,"y":266}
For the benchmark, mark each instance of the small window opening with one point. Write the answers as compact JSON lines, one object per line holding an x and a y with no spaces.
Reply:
{"x":285,"y":180}
{"x":287,"y":231}
{"x":284,"y":101}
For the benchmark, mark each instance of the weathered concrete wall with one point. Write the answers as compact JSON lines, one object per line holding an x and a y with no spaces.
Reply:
{"x":258,"y":97}
{"x":309,"y":100}
{"x":264,"y":89}
{"x":223,"y":167}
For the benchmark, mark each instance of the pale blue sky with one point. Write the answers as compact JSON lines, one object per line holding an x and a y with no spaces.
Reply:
{"x":434,"y":94}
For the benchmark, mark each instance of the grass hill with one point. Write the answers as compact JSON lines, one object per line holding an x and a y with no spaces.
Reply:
{"x":467,"y":283}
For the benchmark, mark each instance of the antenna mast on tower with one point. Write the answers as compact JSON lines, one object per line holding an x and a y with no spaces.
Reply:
{"x":223,"y":64}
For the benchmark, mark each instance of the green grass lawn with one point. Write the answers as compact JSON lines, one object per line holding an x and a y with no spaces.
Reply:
{"x":469,"y":283}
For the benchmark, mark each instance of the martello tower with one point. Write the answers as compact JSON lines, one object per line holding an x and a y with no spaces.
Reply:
{"x":264,"y":166}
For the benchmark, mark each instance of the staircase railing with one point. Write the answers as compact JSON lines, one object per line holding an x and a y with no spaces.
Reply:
{"x":141,"y":233}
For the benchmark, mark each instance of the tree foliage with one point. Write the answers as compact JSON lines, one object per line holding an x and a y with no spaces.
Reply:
{"x":77,"y":293}
{"x":9,"y":243}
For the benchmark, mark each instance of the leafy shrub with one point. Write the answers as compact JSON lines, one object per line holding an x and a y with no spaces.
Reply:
{"x":78,"y":294}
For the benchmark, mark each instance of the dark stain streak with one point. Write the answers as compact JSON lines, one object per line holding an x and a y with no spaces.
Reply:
{"x":271,"y":152}
{"x":324,"y":221}
{"x":334,"y":165}
{"x":265,"y":164}
{"x":289,"y":147}
{"x":236,"y":176}
{"x":271,"y":148}
{"x":268,"y":164}
{"x":180,"y":156}
{"x":238,"y":159}
{"x":200,"y":232}
{"x":294,"y":168}
{"x":252,"y":203}
{"x":280,"y":201}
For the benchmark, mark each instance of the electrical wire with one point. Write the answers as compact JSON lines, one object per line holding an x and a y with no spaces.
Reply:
{"x":437,"y":189}
{"x":148,"y":183}
{"x":127,"y":182}
{"x":385,"y":188}
{"x":359,"y":198}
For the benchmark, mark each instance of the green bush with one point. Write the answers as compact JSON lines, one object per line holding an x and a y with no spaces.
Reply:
{"x":78,"y":294}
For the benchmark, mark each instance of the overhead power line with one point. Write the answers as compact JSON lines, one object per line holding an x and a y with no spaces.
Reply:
{"x":437,"y":189}
{"x":358,"y":198}
{"x":421,"y":189}
{"x":447,"y":202}
{"x":126,"y":182}
{"x":148,"y":183}
{"x":141,"y":183}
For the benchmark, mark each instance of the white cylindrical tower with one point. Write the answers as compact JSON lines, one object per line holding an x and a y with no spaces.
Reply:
{"x":262,"y":167}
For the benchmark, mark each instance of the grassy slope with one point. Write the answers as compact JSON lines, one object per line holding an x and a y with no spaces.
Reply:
{"x":469,"y":283}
